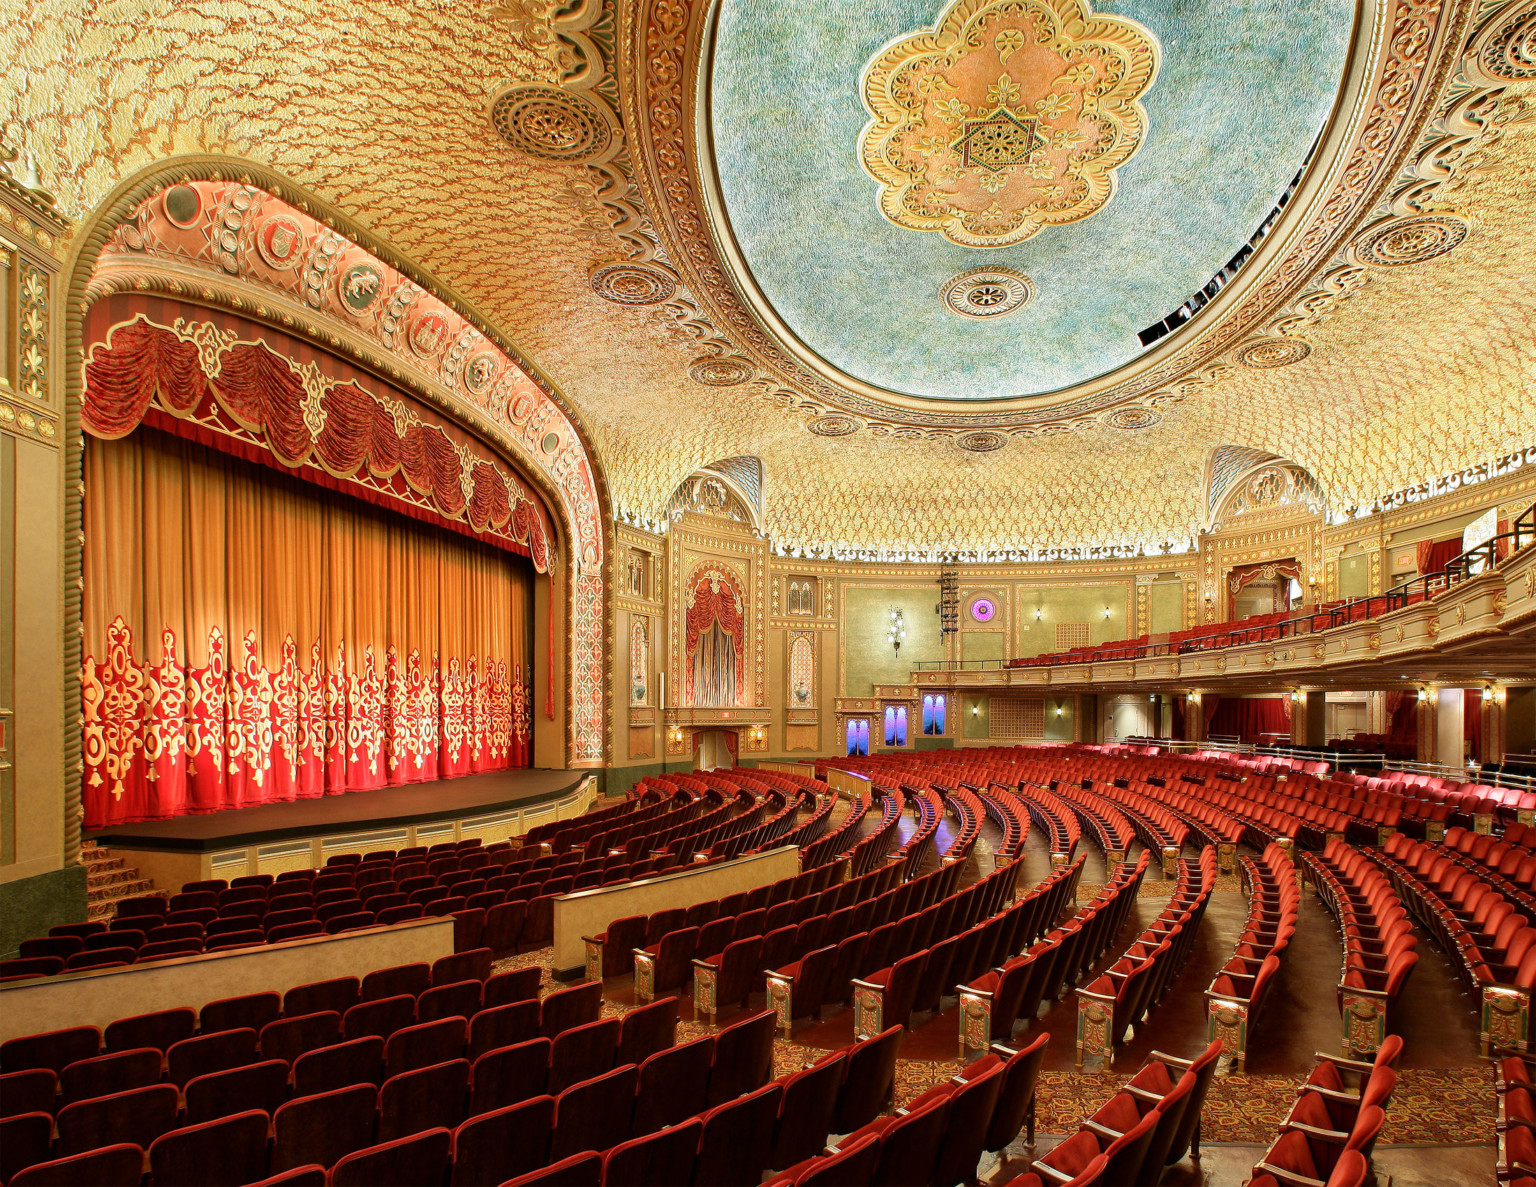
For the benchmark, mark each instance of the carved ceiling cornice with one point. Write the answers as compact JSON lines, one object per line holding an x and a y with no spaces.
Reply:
{"x":1422,"y":94}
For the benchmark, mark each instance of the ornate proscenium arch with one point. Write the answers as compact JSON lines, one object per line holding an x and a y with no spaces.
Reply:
{"x":228,"y":234}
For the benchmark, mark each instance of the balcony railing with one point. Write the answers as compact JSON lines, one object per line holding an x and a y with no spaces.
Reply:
{"x":1474,"y":562}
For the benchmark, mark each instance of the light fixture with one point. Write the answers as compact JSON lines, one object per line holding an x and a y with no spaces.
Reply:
{"x":1106,"y":611}
{"x":1060,"y":712}
{"x":897,"y":631}
{"x":1039,"y":611}
{"x":975,"y":709}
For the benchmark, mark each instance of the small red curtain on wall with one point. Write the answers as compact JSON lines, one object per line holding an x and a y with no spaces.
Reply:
{"x":1251,"y":717}
{"x":1431,"y":556}
{"x":715,"y":640}
{"x":1246,"y":575}
{"x":252,"y":638}
{"x":1180,"y":703}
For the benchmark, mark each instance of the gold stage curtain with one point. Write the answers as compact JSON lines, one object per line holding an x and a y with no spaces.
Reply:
{"x":252,"y":638}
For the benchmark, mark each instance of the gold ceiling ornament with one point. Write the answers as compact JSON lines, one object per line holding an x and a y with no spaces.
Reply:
{"x":552,"y":123}
{"x":632,"y":282}
{"x":1506,"y":49}
{"x":724,"y":371}
{"x":1008,"y":117}
{"x":1132,"y":416}
{"x":1410,"y":240}
{"x":981,"y":441}
{"x":833,"y":426}
{"x":987,"y":292}
{"x":1273,"y":352}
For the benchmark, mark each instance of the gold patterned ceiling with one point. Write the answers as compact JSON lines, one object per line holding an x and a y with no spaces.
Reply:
{"x":1402,"y":348}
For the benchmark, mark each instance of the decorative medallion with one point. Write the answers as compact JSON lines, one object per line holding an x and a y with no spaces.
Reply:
{"x":182,"y":205}
{"x":1264,"y":353}
{"x":833,"y":426}
{"x":552,"y":123}
{"x":1410,"y":240}
{"x":280,"y":240}
{"x":983,"y":609}
{"x":1008,"y":117}
{"x":360,"y":286}
{"x":632,"y":284}
{"x":427,"y":334}
{"x":987,"y":292}
{"x":1132,"y":416}
{"x":479,"y":373}
{"x":981,"y":441}
{"x":1508,"y":49}
{"x":723,"y":371}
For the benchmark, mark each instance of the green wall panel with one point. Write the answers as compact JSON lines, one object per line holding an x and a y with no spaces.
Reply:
{"x":30,"y":906}
{"x":1080,"y":603}
{"x":983,"y":645}
{"x":1354,"y":576}
{"x":868,"y":654}
{"x":978,"y":721}
{"x":1058,"y":725}
{"x":1167,"y":607}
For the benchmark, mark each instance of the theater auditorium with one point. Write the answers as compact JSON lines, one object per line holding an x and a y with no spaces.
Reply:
{"x":871,"y":593}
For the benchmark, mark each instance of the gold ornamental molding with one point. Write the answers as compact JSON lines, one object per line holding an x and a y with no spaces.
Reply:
{"x":1402,"y":59}
{"x":1007,"y":117}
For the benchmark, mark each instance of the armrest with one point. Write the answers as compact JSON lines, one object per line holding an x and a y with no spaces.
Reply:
{"x":1055,"y":1176}
{"x":1172,"y":1060}
{"x":1286,"y":1176}
{"x":1142,"y":1093}
{"x":1108,"y":998}
{"x":1102,"y":1131}
{"x":1334,"y":1137}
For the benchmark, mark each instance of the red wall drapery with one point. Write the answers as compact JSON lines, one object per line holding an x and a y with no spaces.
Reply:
{"x":713,"y":596}
{"x":1472,"y":721}
{"x":1431,"y":555}
{"x":1251,"y":717}
{"x":308,"y":643}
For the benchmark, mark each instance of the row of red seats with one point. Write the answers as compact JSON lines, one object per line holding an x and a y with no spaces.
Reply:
{"x":1331,"y":1130}
{"x":992,"y":1003}
{"x":923,"y":953}
{"x":787,"y":902}
{"x":841,"y":840}
{"x":934,"y":911}
{"x":1145,"y":1127}
{"x":1236,"y":997}
{"x":939,"y":1137}
{"x":1378,"y":942}
{"x":1515,"y":1127}
{"x":1109,"y":826}
{"x":1125,"y":993}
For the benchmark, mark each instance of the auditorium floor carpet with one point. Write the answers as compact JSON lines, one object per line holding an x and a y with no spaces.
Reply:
{"x":1440,"y":1124}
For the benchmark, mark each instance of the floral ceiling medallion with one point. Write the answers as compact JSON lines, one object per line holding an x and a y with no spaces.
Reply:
{"x":1008,"y":117}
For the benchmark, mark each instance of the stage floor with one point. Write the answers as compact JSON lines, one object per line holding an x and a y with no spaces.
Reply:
{"x":387,"y":807}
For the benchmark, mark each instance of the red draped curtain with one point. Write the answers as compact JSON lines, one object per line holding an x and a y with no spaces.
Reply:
{"x":715,"y":618}
{"x":252,"y":638}
{"x":1180,"y":701}
{"x":1251,"y":717}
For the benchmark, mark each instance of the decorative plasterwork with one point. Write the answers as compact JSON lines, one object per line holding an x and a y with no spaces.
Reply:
{"x":1389,"y":98}
{"x":1008,"y":117}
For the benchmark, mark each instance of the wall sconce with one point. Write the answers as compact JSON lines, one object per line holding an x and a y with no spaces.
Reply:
{"x":1423,"y":695}
{"x":1106,"y":611}
{"x":1039,"y":612}
{"x":975,"y":709}
{"x":1060,"y":712}
{"x":897,"y":631}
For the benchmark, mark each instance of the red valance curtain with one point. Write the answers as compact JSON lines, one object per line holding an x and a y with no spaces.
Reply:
{"x":1251,"y":717}
{"x":1246,"y":575}
{"x":252,"y":638}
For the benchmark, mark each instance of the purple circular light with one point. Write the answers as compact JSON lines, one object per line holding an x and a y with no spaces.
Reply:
{"x":982,"y":609}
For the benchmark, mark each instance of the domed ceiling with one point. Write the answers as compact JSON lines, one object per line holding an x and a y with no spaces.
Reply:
{"x":1382,"y":334}
{"x":871,"y":152}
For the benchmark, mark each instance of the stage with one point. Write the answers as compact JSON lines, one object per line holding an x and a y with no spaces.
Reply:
{"x":274,"y":838}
